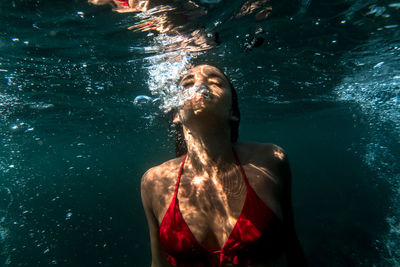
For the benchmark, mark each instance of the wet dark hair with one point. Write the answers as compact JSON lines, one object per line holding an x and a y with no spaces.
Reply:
{"x":180,"y":145}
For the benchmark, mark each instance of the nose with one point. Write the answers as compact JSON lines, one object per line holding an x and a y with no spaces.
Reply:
{"x":199,"y":79}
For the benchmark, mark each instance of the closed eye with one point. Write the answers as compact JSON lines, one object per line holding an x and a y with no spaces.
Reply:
{"x":187,"y":84}
{"x":215,"y":81}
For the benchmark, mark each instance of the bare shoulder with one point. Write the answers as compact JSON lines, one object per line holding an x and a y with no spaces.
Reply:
{"x":263,"y":152}
{"x":268,"y":156}
{"x":160,"y":174}
{"x":158,"y":185}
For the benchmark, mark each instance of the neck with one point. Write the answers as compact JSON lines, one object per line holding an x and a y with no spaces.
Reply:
{"x":209,"y":149}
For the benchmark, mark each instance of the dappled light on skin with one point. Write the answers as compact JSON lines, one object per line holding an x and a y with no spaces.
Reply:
{"x":205,"y":217}
{"x":177,"y":35}
{"x":279,"y":153}
{"x":196,"y":200}
{"x":198,"y":180}
{"x":219,"y":205}
{"x":218,"y":95}
{"x":265,"y":172}
{"x":215,"y":194}
{"x":222,"y":194}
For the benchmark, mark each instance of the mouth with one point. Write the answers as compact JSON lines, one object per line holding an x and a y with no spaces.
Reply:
{"x":200,"y":92}
{"x":197,"y":92}
{"x":204,"y":92}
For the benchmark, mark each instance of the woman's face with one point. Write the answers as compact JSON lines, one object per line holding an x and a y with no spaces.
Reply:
{"x":208,"y":92}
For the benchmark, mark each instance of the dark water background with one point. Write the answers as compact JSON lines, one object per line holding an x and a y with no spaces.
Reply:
{"x":325,"y":85}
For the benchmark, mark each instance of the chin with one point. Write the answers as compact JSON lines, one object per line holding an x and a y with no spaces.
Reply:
{"x":199,"y":106}
{"x":196,"y":106}
{"x":202,"y":109}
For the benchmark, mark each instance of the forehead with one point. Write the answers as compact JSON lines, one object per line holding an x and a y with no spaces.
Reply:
{"x":204,"y":71}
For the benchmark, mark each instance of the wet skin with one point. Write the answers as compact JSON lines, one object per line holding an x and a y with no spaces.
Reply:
{"x":212,"y":190}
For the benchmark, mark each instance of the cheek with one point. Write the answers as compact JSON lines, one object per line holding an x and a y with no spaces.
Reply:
{"x":224,"y":105}
{"x":226,"y":102}
{"x":226,"y":98}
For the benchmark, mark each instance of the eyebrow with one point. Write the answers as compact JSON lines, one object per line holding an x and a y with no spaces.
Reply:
{"x":215,"y":76}
{"x":187,"y":77}
{"x":210,"y":76}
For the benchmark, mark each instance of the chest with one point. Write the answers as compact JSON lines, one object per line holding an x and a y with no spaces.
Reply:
{"x":211,"y":209}
{"x":211,"y":213}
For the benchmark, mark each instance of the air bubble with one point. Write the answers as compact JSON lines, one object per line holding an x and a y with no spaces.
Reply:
{"x":142,"y":100}
{"x":80,"y":14}
{"x":68,"y":216}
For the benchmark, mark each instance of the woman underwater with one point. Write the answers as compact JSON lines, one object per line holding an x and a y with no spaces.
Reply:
{"x":221,"y":203}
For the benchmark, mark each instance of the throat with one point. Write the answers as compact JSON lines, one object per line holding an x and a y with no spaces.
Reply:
{"x":208,"y":145}
{"x":209,"y":154}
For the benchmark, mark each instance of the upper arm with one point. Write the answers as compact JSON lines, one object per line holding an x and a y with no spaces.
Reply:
{"x":158,"y":257}
{"x":286,"y":197}
{"x":295,"y":254}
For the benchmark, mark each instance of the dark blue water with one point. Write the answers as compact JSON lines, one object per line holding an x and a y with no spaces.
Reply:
{"x":324,"y":85}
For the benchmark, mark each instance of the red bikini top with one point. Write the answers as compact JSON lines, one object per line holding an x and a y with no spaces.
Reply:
{"x":125,"y":3}
{"x":255,"y":236}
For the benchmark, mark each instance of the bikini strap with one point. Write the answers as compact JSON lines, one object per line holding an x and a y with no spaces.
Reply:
{"x":179,"y":176}
{"x":240,"y":167}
